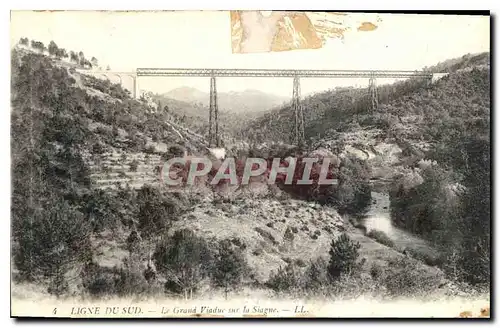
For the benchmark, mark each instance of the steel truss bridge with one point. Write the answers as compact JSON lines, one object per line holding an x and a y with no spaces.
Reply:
{"x":296,"y":75}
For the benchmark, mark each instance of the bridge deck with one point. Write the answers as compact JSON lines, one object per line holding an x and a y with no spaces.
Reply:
{"x":208,"y":72}
{"x":202,"y":72}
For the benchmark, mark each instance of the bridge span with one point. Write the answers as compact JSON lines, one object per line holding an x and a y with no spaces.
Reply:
{"x":296,"y":74}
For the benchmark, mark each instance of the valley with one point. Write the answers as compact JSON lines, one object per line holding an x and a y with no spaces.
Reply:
{"x":87,"y":164}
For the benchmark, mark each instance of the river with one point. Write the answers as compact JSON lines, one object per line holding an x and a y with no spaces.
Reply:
{"x":378,"y":218}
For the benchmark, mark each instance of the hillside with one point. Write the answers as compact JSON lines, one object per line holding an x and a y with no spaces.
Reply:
{"x":195,"y":116}
{"x":334,"y":111}
{"x":90,"y":218}
{"x":431,"y":142}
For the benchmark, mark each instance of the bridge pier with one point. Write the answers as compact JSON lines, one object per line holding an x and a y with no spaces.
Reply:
{"x":213,"y":136}
{"x":372,"y":86}
{"x":135,"y":91}
{"x":298,"y":112}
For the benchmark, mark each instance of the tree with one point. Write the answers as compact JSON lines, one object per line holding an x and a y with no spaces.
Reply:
{"x":61,"y":53}
{"x":133,"y":242}
{"x":38,"y":46}
{"x":53,"y":48}
{"x":84,"y":63}
{"x":24,"y":41}
{"x":185,"y":260}
{"x":73,"y":57}
{"x":94,"y":62}
{"x":343,"y":256}
{"x":228,"y":267}
{"x":156,"y":211}
{"x":52,"y":240}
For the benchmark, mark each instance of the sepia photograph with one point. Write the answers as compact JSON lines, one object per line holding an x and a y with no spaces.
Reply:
{"x":250,"y":164}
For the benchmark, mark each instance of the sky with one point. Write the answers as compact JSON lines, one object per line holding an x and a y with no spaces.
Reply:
{"x":129,"y":40}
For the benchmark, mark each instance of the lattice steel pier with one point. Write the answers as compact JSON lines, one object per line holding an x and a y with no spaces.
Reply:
{"x":213,"y":133}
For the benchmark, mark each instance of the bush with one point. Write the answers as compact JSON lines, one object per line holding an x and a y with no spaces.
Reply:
{"x":376,"y":271}
{"x":156,"y":211}
{"x":229,"y":266}
{"x":316,"y":275}
{"x":130,"y":279}
{"x":286,"y":279}
{"x":429,"y":257}
{"x":52,"y":241}
{"x":99,"y":281}
{"x":58,"y":285}
{"x":102,"y":209}
{"x":408,"y":278}
{"x":185,"y":260}
{"x":134,"y":165}
{"x":150,"y":149}
{"x":381,"y":237}
{"x":344,"y":254}
{"x":421,"y":208}
{"x":176,"y":151}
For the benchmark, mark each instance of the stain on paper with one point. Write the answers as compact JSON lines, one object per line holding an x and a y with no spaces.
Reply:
{"x":367,"y":26}
{"x":483,"y":313}
{"x":254,"y":31}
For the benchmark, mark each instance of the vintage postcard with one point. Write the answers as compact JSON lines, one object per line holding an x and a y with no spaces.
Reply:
{"x":251,"y":164}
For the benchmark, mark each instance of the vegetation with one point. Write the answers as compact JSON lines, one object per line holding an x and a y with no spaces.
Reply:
{"x":229,"y":266}
{"x":451,"y":204}
{"x":344,"y":254}
{"x":60,"y":119}
{"x":185,"y":260}
{"x":381,"y":237}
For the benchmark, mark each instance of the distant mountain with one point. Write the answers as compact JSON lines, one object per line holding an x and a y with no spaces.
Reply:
{"x":187,"y":94}
{"x":233,"y":101}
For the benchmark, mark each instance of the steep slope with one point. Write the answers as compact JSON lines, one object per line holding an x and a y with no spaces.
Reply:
{"x":336,"y":110}
{"x":101,"y":119}
{"x":409,"y":118}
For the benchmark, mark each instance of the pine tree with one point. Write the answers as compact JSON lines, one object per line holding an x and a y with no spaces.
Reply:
{"x":229,"y":267}
{"x":343,"y":256}
{"x":185,"y":261}
{"x":53,"y":48}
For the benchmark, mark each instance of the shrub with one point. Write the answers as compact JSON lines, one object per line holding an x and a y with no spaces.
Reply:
{"x":102,"y":209}
{"x":156,"y":210}
{"x":286,"y":279}
{"x":376,"y":271}
{"x":175,"y":151}
{"x":99,"y":281}
{"x":133,"y":241}
{"x":229,"y":266}
{"x":134,"y":165}
{"x":316,"y":275}
{"x":407,"y":277}
{"x":429,"y":257}
{"x":185,"y":260}
{"x":130,"y":280}
{"x":344,"y":254}
{"x":421,"y":208}
{"x":381,"y":237}
{"x":150,"y":149}
{"x":58,"y":285}
{"x":52,"y":241}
